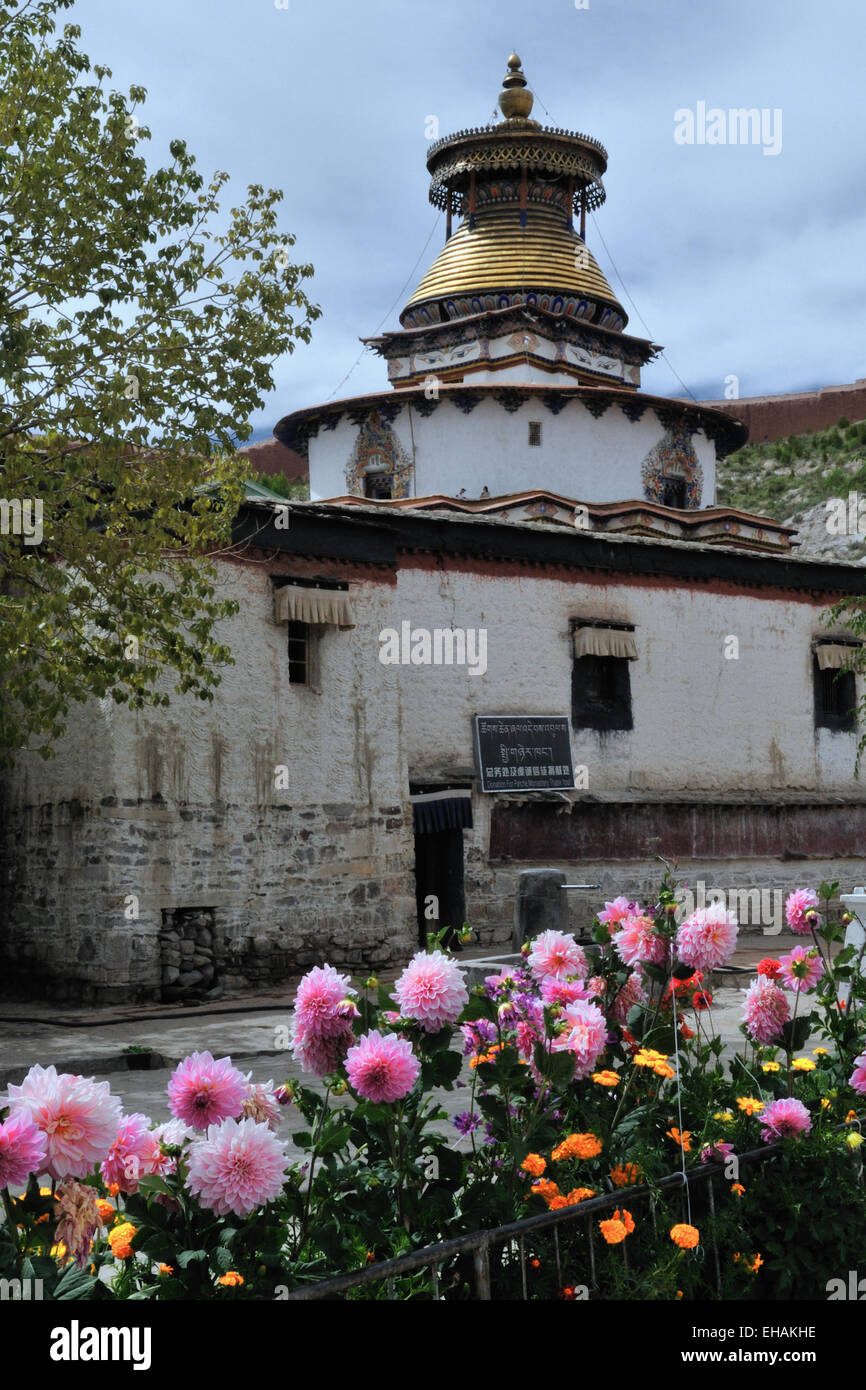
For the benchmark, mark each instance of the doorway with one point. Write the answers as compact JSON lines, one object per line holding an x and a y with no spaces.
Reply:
{"x":440,"y":815}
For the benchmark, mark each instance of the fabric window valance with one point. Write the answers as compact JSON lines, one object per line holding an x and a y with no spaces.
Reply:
{"x":318,"y":607}
{"x":604,"y":641}
{"x":835,"y":656}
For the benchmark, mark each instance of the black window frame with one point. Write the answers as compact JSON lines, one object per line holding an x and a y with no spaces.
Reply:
{"x":679,"y":486}
{"x":601,"y":694}
{"x":298,"y":649}
{"x":835,"y":698}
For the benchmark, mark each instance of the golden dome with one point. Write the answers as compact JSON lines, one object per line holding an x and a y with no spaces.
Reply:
{"x":497,"y":257}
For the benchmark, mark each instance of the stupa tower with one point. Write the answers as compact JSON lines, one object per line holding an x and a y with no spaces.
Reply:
{"x":511,"y":370}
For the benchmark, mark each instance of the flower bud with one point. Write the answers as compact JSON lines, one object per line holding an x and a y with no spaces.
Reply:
{"x":371,"y":982}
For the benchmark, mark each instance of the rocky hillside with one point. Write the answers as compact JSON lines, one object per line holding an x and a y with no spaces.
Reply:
{"x":792,"y":480}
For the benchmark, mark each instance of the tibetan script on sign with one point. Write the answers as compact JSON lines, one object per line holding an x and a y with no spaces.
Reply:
{"x":524,"y":752}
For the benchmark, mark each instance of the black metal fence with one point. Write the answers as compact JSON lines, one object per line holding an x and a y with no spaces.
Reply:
{"x":480,"y":1243}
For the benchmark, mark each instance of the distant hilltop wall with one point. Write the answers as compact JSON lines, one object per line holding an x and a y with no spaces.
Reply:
{"x":776,"y":417}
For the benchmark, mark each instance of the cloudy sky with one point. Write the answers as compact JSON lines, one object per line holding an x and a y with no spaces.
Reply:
{"x":740,"y":262}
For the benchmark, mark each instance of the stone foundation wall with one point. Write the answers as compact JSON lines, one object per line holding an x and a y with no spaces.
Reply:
{"x":102,"y":904}
{"x":490,"y":910}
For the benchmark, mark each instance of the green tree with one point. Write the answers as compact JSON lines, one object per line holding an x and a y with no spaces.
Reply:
{"x":138,"y":329}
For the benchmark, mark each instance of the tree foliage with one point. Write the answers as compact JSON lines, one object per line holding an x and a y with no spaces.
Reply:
{"x":138,"y":329}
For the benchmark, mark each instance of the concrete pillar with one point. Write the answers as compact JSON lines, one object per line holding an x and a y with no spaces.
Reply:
{"x":540,"y":905}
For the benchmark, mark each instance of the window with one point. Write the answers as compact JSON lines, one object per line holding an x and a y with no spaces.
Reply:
{"x":835,"y":688}
{"x":600,"y":679}
{"x":377,"y":486}
{"x":299,"y":653}
{"x":673,"y":492}
{"x":535,"y":432}
{"x":601,"y":693}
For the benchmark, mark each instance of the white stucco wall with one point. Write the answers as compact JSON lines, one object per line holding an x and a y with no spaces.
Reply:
{"x":582,"y":457}
{"x":180,"y":807}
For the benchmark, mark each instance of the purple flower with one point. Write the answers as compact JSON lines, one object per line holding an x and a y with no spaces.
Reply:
{"x":466,"y":1122}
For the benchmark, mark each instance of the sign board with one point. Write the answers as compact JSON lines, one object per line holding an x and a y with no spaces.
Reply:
{"x":524,"y":752}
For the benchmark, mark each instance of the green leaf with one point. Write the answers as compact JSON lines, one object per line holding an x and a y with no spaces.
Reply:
{"x":75,"y":1284}
{"x":152,"y":1183}
{"x":336,"y":1139}
{"x":188,"y":1257}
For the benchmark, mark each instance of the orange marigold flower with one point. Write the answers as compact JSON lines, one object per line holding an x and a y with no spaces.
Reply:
{"x":535,"y":1263}
{"x":579,"y":1194}
{"x":614,"y":1231}
{"x":684,"y":1139}
{"x":755,"y":1265}
{"x":231,"y":1279}
{"x":166,"y":1269}
{"x":545,"y":1189}
{"x":114,"y":1189}
{"x":648,"y":1057}
{"x":738,"y":1188}
{"x":626,"y":1218}
{"x":557,"y":1203}
{"x":749,"y":1105}
{"x":567,"y":1293}
{"x":488,"y":1056}
{"x":686,"y":1237}
{"x":119,"y":1239}
{"x":624,"y":1174}
{"x":577,"y":1146}
{"x":679,"y":1293}
{"x":106,"y":1210}
{"x":851,"y":1117}
{"x":534,"y":1164}
{"x":606,"y":1078}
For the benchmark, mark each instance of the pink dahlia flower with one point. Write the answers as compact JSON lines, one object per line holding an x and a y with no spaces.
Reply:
{"x":22,"y":1150}
{"x":637,"y":942}
{"x":707,"y":938}
{"x":858,"y":1076}
{"x":239,"y":1166}
{"x":432,"y":990}
{"x":784,"y":1119}
{"x":319,"y":1001}
{"x":261,"y":1103}
{"x":556,"y":953}
{"x":614,"y":913}
{"x":797,"y":905}
{"x":382,"y":1068}
{"x":322,"y":1019}
{"x":78,"y":1222}
{"x":801,"y":969}
{"x":765,"y":1010}
{"x":172,"y":1133}
{"x":584,"y":1035}
{"x":134,"y":1154}
{"x":555,"y":990}
{"x":202,"y":1091}
{"x":716,"y":1153}
{"x":631,"y":994}
{"x":78,"y":1116}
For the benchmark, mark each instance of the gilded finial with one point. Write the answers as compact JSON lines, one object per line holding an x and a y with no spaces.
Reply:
{"x":515,"y":99}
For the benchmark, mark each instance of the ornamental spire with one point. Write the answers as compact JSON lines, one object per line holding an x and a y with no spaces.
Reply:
{"x":515,"y":99}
